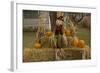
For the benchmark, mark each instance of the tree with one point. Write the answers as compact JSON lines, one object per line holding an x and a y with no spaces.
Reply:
{"x":53,"y":16}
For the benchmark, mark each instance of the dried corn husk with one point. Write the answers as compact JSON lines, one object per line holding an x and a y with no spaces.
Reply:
{"x":48,"y":42}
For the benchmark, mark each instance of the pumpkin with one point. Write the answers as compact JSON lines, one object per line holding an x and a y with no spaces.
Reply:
{"x":75,"y":41}
{"x":67,"y":33}
{"x":81,"y":44}
{"x":49,"y":33}
{"x":37,"y":45}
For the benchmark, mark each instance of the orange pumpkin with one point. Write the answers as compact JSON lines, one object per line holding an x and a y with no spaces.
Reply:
{"x":48,"y":34}
{"x":37,"y":45}
{"x":67,"y":33}
{"x":81,"y":44}
{"x":75,"y":41}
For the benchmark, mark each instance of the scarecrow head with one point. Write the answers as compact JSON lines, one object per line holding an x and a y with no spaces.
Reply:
{"x":60,"y":18}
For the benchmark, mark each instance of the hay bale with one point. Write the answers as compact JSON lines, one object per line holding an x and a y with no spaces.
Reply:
{"x":44,"y":54}
{"x":27,"y":53}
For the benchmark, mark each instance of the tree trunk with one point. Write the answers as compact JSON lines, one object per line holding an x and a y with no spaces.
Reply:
{"x":53,"y":16}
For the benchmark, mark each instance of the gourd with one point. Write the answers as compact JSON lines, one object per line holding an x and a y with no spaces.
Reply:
{"x":37,"y":45}
{"x":75,"y":41}
{"x":67,"y":33}
{"x":49,"y":33}
{"x":81,"y":44}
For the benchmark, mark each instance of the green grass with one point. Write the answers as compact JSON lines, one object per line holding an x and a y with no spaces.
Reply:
{"x":85,"y":35}
{"x":28,"y":39}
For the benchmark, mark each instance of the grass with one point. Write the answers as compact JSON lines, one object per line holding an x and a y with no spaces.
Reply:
{"x":28,"y":39}
{"x":85,"y":35}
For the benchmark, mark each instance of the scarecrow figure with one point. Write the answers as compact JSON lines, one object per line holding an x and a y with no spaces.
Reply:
{"x":59,"y":31}
{"x":61,"y":40}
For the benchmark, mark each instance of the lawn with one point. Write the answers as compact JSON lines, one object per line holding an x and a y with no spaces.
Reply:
{"x":28,"y":39}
